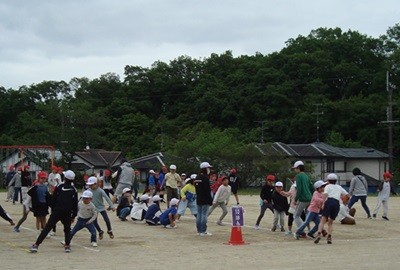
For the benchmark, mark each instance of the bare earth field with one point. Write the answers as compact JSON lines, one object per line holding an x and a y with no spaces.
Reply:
{"x":370,"y":244}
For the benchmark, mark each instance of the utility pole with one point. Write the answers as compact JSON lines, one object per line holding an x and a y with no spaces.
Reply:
{"x":389,"y":120}
{"x":262,"y":129}
{"x":318,"y":113}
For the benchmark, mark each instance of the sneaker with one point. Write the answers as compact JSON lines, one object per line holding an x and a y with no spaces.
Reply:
{"x":12,"y":223}
{"x":316,"y":241}
{"x":311,"y":235}
{"x":369,"y":217}
{"x":273,"y":229}
{"x":237,"y":203}
{"x":94,"y":244}
{"x":324,"y":233}
{"x":288,"y":233}
{"x":16,"y":230}
{"x":110,"y":233}
{"x":67,"y":249}
{"x":34,"y":248}
{"x":62,"y":243}
{"x":283,"y":229}
{"x":219,"y":222}
{"x":169,"y":226}
{"x":329,"y":239}
{"x":205,"y":234}
{"x":374,"y":216}
{"x":101,"y":233}
{"x":303,"y":235}
{"x":296,"y":236}
{"x":385,"y":217}
{"x":52,"y":233}
{"x":257,"y":227}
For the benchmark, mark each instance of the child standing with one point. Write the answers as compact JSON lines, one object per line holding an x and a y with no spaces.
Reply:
{"x":314,"y":209}
{"x":383,"y":195}
{"x":87,"y":214}
{"x":332,"y":193}
{"x":40,"y":201}
{"x":98,"y":198}
{"x":167,"y":218}
{"x":281,"y":205}
{"x":266,"y":200}
{"x":221,"y":199}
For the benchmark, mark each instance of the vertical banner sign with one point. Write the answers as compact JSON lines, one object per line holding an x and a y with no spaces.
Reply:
{"x":237,"y":216}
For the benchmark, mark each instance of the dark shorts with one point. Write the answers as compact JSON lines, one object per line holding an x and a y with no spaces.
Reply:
{"x":41,"y":210}
{"x":331,"y":208}
{"x":171,"y":193}
{"x":234,"y":187}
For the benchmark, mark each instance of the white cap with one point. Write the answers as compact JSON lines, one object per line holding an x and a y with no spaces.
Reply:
{"x":172,"y":167}
{"x":91,"y":180}
{"x":144,"y":197}
{"x":332,"y":176}
{"x":279,"y":184}
{"x":183,"y":174}
{"x":156,"y":198}
{"x":204,"y":165}
{"x":69,"y":175}
{"x":319,"y":184}
{"x":297,"y":164}
{"x":152,"y":171}
{"x":126,"y":190}
{"x":87,"y":194}
{"x":174,"y":201}
{"x":187,"y":180}
{"x":193,"y":176}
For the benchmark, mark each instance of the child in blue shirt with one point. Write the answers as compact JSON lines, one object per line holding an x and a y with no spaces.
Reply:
{"x":167,"y":218}
{"x":153,"y":213}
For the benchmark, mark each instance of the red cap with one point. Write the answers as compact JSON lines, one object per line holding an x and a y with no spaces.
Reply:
{"x":42,"y":174}
{"x":19,"y":168}
{"x":270,"y":177}
{"x":12,"y":167}
{"x":387,"y":175}
{"x":107,"y":172}
{"x":233,"y":170}
{"x":54,"y":168}
{"x":26,"y":167}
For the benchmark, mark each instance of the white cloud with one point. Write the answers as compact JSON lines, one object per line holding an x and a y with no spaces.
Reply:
{"x":59,"y":40}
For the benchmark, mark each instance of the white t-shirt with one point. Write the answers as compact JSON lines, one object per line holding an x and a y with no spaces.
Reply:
{"x":335,"y":191}
{"x":385,"y":192}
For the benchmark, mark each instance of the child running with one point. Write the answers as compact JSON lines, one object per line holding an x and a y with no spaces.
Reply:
{"x":221,"y":199}
{"x":188,"y":198}
{"x":40,"y":201}
{"x":314,"y":209}
{"x":332,"y":193}
{"x":266,"y":200}
{"x":383,"y":196}
{"x":98,"y":196}
{"x":87,"y":214}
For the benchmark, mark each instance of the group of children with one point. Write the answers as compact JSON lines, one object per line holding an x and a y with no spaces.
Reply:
{"x":58,"y":192}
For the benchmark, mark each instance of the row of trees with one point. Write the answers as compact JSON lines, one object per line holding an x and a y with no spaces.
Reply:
{"x":212,"y":108}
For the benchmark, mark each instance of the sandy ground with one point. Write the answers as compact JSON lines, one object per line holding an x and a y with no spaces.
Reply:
{"x":370,"y":244}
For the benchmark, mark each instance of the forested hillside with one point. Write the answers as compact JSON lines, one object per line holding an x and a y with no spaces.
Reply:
{"x":207,"y":107}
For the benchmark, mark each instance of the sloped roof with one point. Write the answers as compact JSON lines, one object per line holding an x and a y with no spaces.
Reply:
{"x":99,"y":157}
{"x":318,"y":150}
{"x":152,"y":161}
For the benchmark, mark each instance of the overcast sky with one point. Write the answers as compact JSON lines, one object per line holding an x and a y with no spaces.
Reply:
{"x":60,"y":39}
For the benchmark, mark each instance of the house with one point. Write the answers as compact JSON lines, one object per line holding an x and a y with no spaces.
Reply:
{"x":91,"y":161}
{"x":325,"y":159}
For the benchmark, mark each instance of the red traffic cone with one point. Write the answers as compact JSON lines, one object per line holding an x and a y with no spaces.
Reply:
{"x":236,"y":236}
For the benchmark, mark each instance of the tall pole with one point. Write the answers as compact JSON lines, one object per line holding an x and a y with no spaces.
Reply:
{"x":318,"y":113}
{"x":389,"y":121}
{"x":262,"y":130}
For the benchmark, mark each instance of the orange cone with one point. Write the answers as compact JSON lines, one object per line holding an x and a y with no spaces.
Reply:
{"x":236,"y":236}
